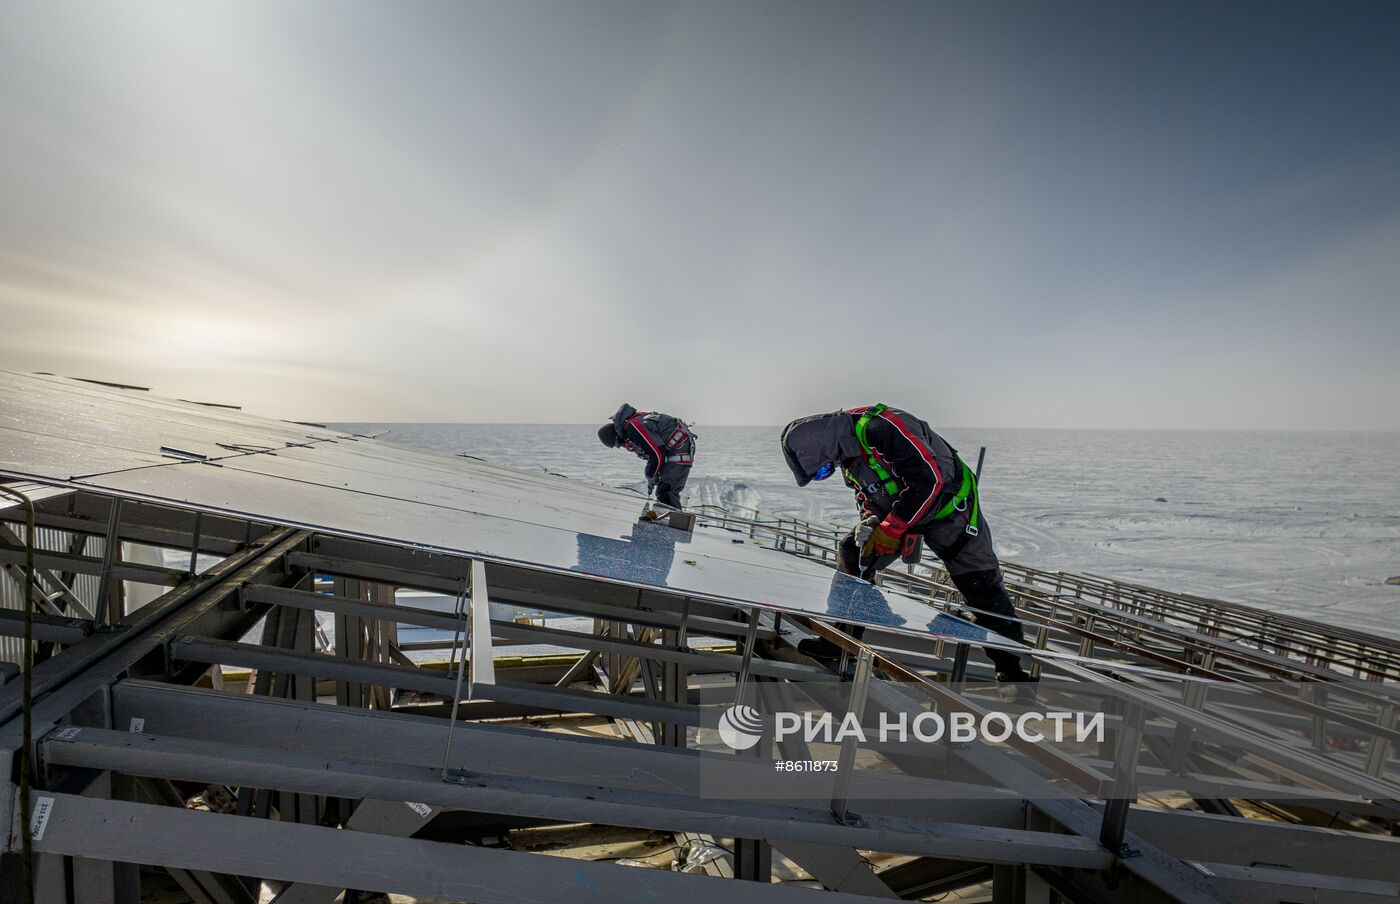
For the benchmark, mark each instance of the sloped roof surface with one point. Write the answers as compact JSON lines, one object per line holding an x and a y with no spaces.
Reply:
{"x":137,"y":445}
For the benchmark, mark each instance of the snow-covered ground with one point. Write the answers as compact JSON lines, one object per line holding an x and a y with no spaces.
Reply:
{"x":1306,"y":523}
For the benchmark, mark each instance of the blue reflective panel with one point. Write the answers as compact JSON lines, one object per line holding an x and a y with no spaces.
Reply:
{"x":645,"y":556}
{"x":824,"y":471}
{"x":851,"y":599}
{"x":951,"y":626}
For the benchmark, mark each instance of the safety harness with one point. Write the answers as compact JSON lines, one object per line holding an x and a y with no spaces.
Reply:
{"x":678,"y":447}
{"x":959,"y":502}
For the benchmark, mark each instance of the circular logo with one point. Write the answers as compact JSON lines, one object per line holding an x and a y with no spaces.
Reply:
{"x":740,"y":726}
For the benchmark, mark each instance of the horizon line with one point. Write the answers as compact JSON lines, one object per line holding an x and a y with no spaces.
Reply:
{"x":1172,"y":429}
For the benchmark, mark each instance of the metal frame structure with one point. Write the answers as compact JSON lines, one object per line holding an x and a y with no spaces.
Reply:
{"x":365,"y":766}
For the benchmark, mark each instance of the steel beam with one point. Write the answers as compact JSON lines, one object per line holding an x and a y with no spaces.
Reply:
{"x":53,"y":589}
{"x":1061,"y":764}
{"x":1268,"y":885}
{"x":412,"y":739}
{"x":203,"y":886}
{"x":839,"y":869}
{"x":1204,"y":785}
{"x":167,"y":537}
{"x":1208,"y":837}
{"x":203,"y":714}
{"x":547,"y":590}
{"x":753,"y":860}
{"x":65,"y":681}
{"x":1157,"y":874}
{"x":47,"y":628}
{"x":184,"y":839}
{"x":1324,"y":772}
{"x":546,"y":699}
{"x":928,"y":876}
{"x":379,"y":817}
{"x":568,"y":801}
{"x":408,"y":615}
{"x":91,"y":565}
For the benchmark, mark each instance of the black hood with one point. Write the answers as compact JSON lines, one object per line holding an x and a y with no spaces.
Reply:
{"x":619,"y":418}
{"x":810,"y":442}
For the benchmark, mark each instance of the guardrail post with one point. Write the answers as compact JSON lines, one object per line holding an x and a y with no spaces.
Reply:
{"x":194,"y":544}
{"x":109,"y":598}
{"x":846,"y":763}
{"x":743,"y":677}
{"x":1380,"y":746}
{"x":959,"y":673}
{"x":1124,"y":790}
{"x":1193,"y":695}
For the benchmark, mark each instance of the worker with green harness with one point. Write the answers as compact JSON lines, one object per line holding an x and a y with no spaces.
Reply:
{"x":913,"y":490}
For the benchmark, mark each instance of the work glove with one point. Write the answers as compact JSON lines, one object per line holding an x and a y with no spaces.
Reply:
{"x":884,"y":539}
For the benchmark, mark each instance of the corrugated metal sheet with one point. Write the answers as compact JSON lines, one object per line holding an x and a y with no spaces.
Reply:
{"x":12,"y":581}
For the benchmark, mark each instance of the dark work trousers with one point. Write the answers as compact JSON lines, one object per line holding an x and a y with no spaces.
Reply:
{"x":670,"y":480}
{"x":982,"y":588}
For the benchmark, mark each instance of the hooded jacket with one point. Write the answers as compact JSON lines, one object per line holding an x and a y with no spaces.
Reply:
{"x":921,"y":462}
{"x":810,"y":442}
{"x":653,"y":436}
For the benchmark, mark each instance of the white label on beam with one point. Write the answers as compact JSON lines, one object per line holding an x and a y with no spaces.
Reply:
{"x":43,"y":809}
{"x":67,"y":734}
{"x":137,"y":725}
{"x":421,"y":809}
{"x":483,"y":665}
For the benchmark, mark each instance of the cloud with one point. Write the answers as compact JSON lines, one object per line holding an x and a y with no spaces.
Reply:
{"x":992,"y":215}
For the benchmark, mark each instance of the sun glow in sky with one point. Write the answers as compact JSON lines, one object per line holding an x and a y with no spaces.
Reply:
{"x":993,"y":214}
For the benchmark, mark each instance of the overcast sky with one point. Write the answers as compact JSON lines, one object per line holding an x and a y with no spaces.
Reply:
{"x":1023,"y":214}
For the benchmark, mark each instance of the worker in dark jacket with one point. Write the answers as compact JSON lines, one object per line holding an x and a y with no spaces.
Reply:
{"x":665,"y":442}
{"x":912,"y":488}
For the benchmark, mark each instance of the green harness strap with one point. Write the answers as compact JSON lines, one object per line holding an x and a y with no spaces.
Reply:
{"x":891,"y":485}
{"x":959,"y":501}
